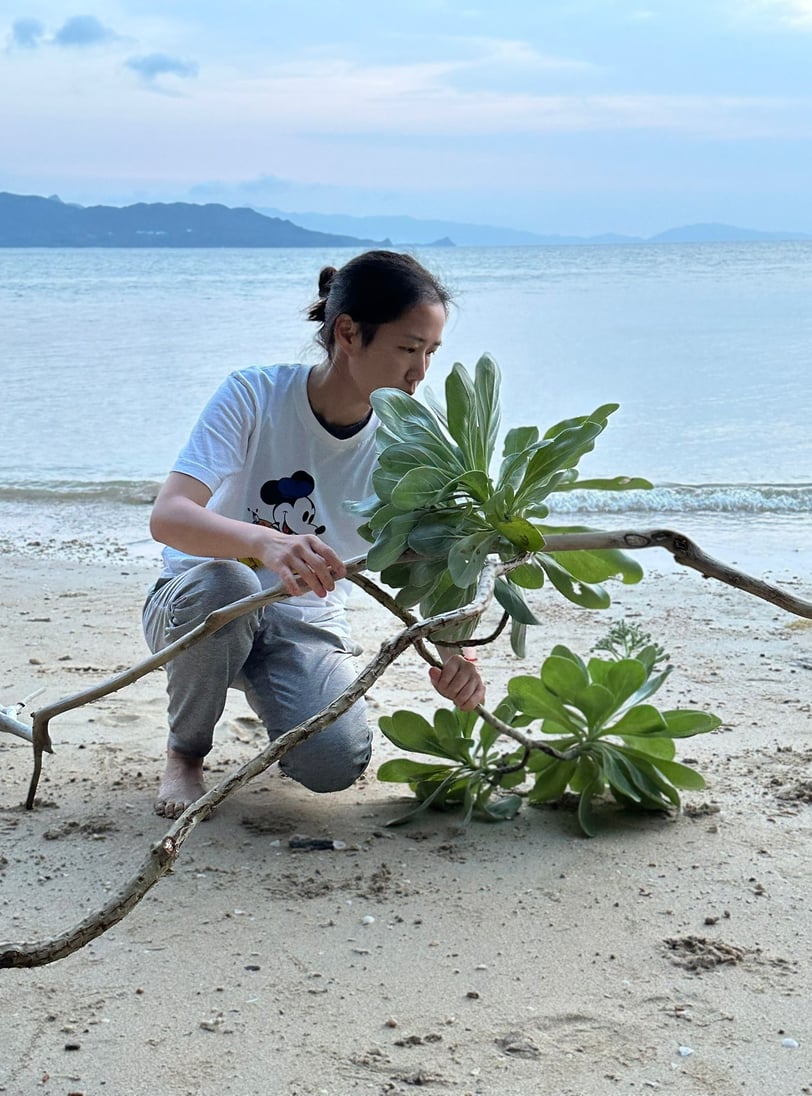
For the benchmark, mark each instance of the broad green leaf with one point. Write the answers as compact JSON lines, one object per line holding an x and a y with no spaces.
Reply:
{"x":615,"y":774}
{"x":527,"y":575}
{"x":597,"y":703}
{"x":391,"y":543}
{"x":531,"y":697}
{"x":686,"y":723}
{"x":586,"y":817}
{"x":520,"y":532}
{"x":650,"y":687}
{"x":399,"y":458}
{"x":625,"y":677}
{"x":502,"y":809}
{"x":512,"y":600}
{"x":580,"y":593}
{"x":649,"y":790}
{"x":434,"y":793}
{"x":402,"y":770}
{"x":599,"y":415}
{"x":435,"y":534}
{"x":381,"y":517}
{"x":552,"y":781}
{"x":519,"y":439}
{"x":396,"y":409}
{"x":560,"y":651}
{"x":486,"y":389}
{"x":410,"y":731}
{"x":468,"y":556}
{"x":562,"y":451}
{"x":397,"y":575}
{"x":640,"y":720}
{"x":681,"y":776}
{"x":424,"y":433}
{"x":563,"y":677}
{"x":384,"y":482}
{"x":650,"y":745}
{"x":435,"y":404}
{"x":499,"y":505}
{"x":518,"y":638}
{"x":420,"y":487}
{"x":649,"y":781}
{"x":512,"y":469}
{"x":461,"y":412}
{"x":617,"y":483}
{"x":476,"y":484}
{"x":589,"y":566}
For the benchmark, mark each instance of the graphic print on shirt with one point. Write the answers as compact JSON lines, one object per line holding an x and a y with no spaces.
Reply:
{"x":292,"y":507}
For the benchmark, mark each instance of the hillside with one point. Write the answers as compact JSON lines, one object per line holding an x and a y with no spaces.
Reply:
{"x":406,"y":231}
{"x":31,"y":221}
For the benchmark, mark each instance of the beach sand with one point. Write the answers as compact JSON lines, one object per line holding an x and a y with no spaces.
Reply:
{"x":668,"y":954}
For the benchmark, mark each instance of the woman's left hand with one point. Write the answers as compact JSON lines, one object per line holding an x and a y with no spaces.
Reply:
{"x":459,"y":681}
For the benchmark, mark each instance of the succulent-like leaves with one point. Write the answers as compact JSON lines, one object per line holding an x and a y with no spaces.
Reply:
{"x":436,"y":498}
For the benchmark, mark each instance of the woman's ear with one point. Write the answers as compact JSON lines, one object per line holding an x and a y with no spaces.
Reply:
{"x":347,"y":333}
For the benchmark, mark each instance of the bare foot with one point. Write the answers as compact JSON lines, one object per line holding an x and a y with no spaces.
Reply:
{"x":181,"y":784}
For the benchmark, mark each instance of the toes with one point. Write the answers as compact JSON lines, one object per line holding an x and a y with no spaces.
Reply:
{"x":168,"y":808}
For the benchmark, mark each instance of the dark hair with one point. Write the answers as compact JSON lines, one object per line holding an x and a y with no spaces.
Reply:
{"x":374,"y":288}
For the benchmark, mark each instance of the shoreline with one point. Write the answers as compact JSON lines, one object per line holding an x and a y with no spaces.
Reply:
{"x":495,"y":960}
{"x":773,"y":546}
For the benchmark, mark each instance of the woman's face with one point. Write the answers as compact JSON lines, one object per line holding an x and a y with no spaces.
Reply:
{"x":400,"y":352}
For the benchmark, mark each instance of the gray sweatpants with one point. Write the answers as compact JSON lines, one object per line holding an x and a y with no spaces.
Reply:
{"x":288,"y":669}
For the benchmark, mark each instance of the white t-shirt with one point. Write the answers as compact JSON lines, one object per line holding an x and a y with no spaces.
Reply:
{"x":265,"y":457}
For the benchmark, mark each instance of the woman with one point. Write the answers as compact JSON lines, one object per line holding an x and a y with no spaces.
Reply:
{"x":256,"y":497}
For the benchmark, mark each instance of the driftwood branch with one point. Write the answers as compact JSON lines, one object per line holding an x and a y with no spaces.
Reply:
{"x":685,"y":552}
{"x":10,"y":723}
{"x":164,"y":853}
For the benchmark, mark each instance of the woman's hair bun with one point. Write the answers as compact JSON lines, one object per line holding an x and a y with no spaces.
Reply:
{"x":326,"y":280}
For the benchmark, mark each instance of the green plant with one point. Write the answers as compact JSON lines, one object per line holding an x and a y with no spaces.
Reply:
{"x":596,"y":717}
{"x":624,"y":640}
{"x":437,"y":498}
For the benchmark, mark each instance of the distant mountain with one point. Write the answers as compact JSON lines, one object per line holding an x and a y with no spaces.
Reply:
{"x":30,"y":221}
{"x":406,"y":231}
{"x":716,"y":233}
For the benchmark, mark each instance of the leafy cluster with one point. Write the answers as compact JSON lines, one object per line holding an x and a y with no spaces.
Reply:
{"x":437,"y":500}
{"x":597,"y":716}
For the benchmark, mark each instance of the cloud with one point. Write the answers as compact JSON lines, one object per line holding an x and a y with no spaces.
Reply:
{"x":425,"y":99}
{"x":795,"y":13}
{"x":26,"y":33}
{"x":153,"y":65}
{"x":83,"y":30}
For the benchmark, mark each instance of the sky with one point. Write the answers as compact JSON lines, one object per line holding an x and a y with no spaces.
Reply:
{"x":557,"y":116}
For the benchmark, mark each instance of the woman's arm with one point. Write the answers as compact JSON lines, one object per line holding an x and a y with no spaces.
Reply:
{"x":181,"y":520}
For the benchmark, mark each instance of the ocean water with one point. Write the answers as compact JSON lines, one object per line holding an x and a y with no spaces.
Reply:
{"x":109,"y":355}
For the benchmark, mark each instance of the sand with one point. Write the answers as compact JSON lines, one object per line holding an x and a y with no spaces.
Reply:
{"x":668,"y":954}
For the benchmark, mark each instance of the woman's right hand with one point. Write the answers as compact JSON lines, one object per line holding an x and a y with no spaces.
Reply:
{"x":302,"y":562}
{"x":181,"y":519}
